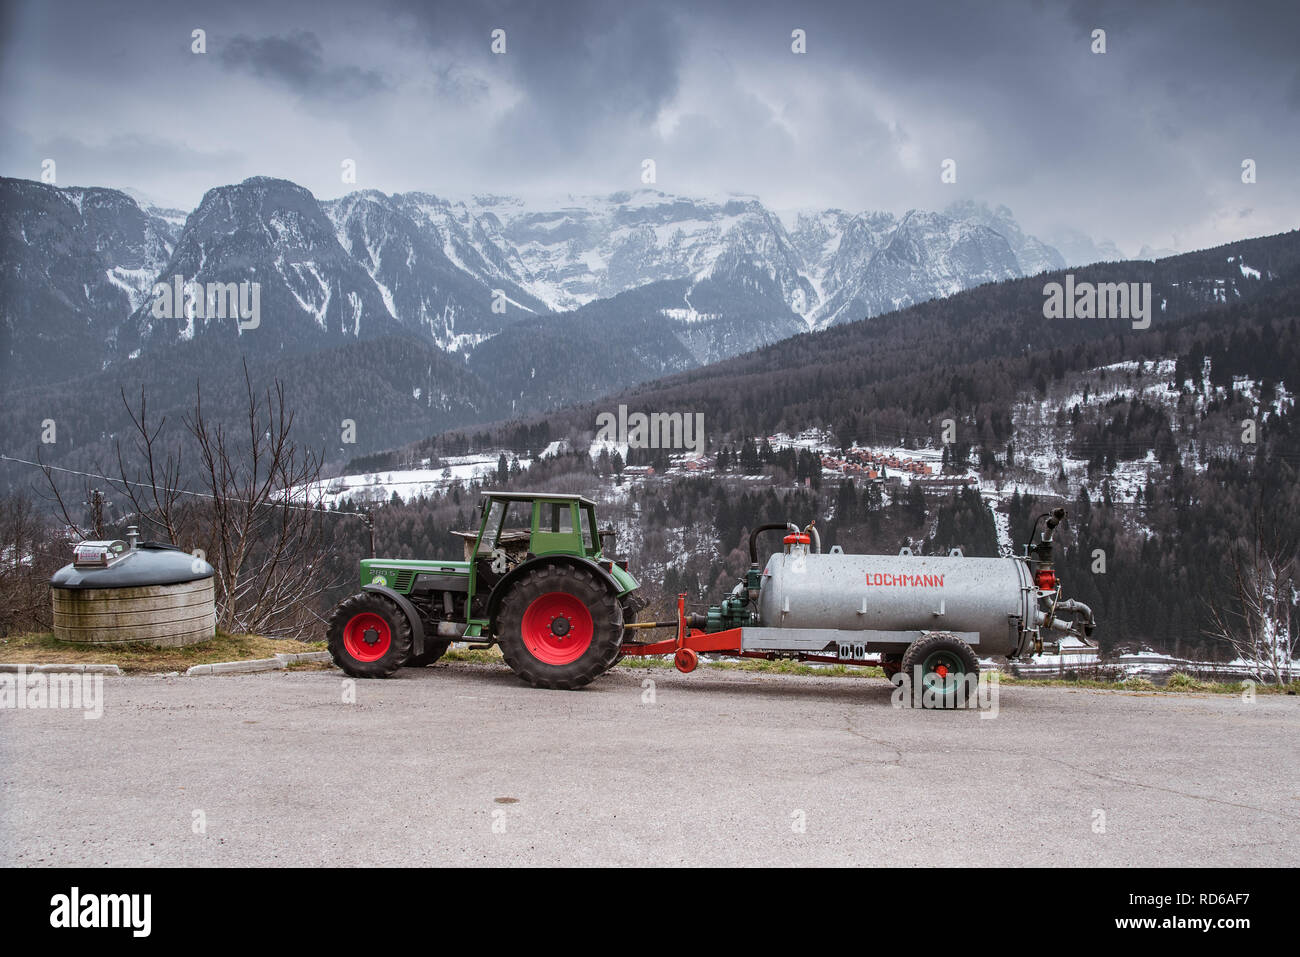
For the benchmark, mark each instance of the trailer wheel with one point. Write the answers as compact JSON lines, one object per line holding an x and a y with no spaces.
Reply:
{"x":944,"y":662}
{"x":559,"y":627}
{"x":369,"y":636}
{"x":433,"y":650}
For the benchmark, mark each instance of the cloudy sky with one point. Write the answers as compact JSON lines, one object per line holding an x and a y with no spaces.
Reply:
{"x":1142,"y":144}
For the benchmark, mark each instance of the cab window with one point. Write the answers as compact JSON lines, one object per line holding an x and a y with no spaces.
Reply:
{"x":515,"y":519}
{"x":559,"y":517}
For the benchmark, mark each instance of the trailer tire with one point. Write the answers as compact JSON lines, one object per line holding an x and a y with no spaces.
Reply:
{"x":942,"y":656}
{"x":559,"y":627}
{"x":433,"y":650}
{"x":369,"y":636}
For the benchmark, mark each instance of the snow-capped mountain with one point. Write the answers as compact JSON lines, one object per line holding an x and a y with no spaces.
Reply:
{"x":1032,"y":255}
{"x":580,"y":249}
{"x":436,"y":265}
{"x":74,"y":263}
{"x":311,"y":293}
{"x":712,"y":278}
{"x":594,"y":247}
{"x":925,"y":256}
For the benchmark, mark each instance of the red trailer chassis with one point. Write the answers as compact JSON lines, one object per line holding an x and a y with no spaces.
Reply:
{"x":689,"y":642}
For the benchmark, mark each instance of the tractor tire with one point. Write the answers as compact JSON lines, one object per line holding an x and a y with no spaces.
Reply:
{"x":944,"y":661}
{"x":433,"y":650}
{"x":369,"y":636}
{"x":629,"y":616}
{"x":559,"y":627}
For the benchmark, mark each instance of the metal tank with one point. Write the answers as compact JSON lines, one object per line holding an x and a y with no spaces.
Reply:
{"x":987,"y":601}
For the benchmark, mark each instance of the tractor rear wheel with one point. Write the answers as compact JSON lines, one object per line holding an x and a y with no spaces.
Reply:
{"x":942,"y":663}
{"x":559,"y":627}
{"x":369,"y":636}
{"x":629,"y":616}
{"x":433,"y":650}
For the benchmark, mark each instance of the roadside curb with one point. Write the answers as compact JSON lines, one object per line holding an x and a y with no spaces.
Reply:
{"x":65,"y":669}
{"x":254,"y":665}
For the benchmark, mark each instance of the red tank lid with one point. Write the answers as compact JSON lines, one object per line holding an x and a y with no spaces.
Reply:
{"x":797,"y":539}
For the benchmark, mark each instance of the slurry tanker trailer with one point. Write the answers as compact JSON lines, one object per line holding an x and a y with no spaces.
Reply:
{"x":535,"y":580}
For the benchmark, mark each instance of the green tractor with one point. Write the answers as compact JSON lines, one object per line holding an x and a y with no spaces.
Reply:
{"x":534,"y":580}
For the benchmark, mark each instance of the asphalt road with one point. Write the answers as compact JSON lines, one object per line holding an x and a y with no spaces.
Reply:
{"x":464,"y":765}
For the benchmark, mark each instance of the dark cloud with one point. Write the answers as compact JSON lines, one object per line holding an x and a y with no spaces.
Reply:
{"x":297,"y":60}
{"x":124,"y":159}
{"x":1142,"y":144}
{"x":584,"y":70}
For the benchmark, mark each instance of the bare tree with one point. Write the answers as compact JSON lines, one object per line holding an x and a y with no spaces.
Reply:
{"x":255,"y":513}
{"x":264,"y":521}
{"x":30,"y":551}
{"x":1260,"y":621}
{"x":153,"y":487}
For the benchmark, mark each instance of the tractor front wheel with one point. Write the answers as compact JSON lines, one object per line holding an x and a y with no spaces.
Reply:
{"x":369,"y":636}
{"x":559,"y":627}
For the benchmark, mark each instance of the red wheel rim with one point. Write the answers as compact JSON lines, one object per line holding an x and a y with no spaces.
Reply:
{"x":557,"y":628}
{"x":367,"y":636}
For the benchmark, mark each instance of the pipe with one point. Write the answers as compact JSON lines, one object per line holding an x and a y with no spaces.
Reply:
{"x":767,"y":527}
{"x":1080,"y":610}
{"x":816,"y":537}
{"x":1057,"y":516}
{"x":1055,"y":624}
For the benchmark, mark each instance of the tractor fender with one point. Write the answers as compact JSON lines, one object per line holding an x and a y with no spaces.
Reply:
{"x":503,"y":586}
{"x":412,"y":616}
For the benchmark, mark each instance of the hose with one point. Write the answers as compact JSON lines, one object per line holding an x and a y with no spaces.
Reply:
{"x":768,"y":527}
{"x":816,"y":537}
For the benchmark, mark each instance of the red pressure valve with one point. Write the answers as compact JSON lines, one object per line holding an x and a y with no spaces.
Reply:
{"x":1045,"y":579}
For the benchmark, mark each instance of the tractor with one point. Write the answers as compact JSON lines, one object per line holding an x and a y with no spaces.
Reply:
{"x":534,"y":580}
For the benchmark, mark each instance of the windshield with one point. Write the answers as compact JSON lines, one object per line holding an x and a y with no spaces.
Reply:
{"x":493,"y":524}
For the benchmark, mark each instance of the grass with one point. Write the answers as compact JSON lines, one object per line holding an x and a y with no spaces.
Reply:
{"x":1178,"y":681}
{"x":137,"y":657}
{"x":142,"y":658}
